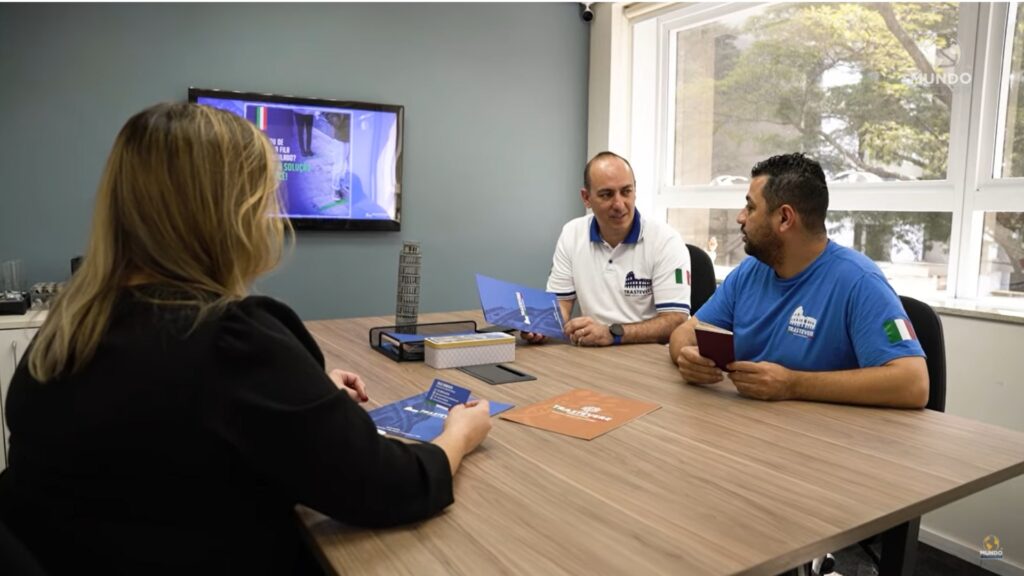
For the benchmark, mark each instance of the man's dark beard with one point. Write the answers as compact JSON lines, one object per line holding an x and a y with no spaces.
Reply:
{"x":768,"y":250}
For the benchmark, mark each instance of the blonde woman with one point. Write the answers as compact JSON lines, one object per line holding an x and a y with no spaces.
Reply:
{"x":165,"y":422}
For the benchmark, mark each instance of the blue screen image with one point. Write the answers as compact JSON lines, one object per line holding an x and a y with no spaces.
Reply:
{"x":336,"y":163}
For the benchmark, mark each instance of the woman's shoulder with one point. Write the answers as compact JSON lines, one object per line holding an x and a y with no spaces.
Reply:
{"x":237,"y":328}
{"x":187,"y":311}
{"x":263,"y":322}
{"x":258,"y":339}
{"x":263,"y":310}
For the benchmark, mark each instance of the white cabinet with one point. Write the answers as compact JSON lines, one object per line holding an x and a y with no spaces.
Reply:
{"x":15,"y":334}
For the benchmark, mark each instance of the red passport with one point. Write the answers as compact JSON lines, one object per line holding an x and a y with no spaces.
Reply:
{"x":715,"y":343}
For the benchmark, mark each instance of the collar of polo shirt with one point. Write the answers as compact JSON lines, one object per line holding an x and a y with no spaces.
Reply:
{"x":634,"y":230}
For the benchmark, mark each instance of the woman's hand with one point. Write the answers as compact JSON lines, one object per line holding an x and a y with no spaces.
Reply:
{"x":351,"y":383}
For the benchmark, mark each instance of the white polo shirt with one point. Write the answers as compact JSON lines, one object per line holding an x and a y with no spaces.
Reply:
{"x":647,"y":273}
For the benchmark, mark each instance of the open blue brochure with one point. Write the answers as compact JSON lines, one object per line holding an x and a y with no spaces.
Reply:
{"x":514,"y":306}
{"x":417,"y":418}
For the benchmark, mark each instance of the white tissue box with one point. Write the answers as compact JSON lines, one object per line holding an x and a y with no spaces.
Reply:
{"x":469,"y":349}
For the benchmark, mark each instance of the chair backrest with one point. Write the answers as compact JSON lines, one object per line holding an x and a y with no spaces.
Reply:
{"x":702,"y":278}
{"x":929,"y":333}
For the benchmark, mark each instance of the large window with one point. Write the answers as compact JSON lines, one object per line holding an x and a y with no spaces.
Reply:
{"x":891,"y":98}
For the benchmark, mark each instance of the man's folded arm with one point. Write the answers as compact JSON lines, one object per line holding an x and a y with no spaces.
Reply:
{"x":658,"y":329}
{"x":899,"y":383}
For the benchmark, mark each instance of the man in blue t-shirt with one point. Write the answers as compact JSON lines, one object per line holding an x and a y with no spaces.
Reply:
{"x":812,"y":320}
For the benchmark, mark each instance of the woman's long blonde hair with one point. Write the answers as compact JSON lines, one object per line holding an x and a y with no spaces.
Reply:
{"x":188,"y":200}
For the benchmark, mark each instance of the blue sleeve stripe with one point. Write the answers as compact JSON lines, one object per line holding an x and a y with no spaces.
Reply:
{"x":565,"y":295}
{"x":672,"y":306}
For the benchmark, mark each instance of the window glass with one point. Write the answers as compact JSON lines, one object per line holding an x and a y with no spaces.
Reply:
{"x":1013,"y":143}
{"x":865,"y":88}
{"x":713,"y":230}
{"x":1002,"y":255}
{"x":911,"y":248}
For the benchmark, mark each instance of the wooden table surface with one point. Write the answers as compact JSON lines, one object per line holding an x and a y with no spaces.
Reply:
{"x":711,"y":483}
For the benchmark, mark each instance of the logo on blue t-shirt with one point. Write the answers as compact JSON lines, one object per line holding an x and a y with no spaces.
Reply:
{"x":638,"y":286}
{"x":800,"y":325}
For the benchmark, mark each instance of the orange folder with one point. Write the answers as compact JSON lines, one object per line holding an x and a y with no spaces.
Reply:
{"x":581,"y":413}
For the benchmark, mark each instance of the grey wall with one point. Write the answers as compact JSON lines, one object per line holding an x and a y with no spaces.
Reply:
{"x":495,"y":97}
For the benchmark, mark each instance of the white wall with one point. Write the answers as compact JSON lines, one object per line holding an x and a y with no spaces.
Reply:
{"x":608,"y":110}
{"x":985,"y":382}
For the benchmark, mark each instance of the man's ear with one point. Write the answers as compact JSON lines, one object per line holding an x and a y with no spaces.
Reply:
{"x":586,"y":197}
{"x":787,"y":217}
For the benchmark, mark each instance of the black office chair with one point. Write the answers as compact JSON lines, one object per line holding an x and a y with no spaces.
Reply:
{"x":702,"y":278}
{"x":929,"y":333}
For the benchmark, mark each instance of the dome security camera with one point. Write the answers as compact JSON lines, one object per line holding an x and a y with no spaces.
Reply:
{"x":587,"y":14}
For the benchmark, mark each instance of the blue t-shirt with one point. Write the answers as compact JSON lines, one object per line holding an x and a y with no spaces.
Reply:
{"x":837,"y":314}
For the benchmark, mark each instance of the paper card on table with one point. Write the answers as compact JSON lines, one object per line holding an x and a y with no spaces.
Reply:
{"x":514,"y":306}
{"x":417,"y":418}
{"x":581,"y":413}
{"x":715,"y":344}
{"x":447,"y":394}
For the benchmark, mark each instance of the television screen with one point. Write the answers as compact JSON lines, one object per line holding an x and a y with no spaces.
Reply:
{"x":341,"y":162}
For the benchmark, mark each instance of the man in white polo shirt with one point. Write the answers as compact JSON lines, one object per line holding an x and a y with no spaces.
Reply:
{"x":631,"y":275}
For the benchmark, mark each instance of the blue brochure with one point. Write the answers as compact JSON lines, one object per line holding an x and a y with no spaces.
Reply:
{"x":447,"y":394}
{"x":514,"y":306}
{"x":400,"y":337}
{"x":418,"y":418}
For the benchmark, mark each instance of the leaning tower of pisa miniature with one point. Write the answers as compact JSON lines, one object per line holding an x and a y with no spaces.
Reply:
{"x":407,"y":302}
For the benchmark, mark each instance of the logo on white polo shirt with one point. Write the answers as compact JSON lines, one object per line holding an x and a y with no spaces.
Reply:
{"x":638,"y":286}
{"x":800,"y":325}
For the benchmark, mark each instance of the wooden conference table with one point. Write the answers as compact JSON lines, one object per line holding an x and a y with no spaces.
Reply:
{"x":712,"y":483}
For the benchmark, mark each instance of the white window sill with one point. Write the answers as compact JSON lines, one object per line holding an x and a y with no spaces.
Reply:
{"x":978,"y":310}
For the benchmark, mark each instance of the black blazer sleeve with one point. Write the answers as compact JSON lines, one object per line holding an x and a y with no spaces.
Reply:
{"x":274,"y":404}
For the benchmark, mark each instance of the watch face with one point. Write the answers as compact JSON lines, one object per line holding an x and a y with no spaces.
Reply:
{"x":616,"y":330}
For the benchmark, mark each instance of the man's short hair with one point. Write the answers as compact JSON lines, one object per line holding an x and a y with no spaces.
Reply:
{"x":799,"y":181}
{"x":599,"y":156}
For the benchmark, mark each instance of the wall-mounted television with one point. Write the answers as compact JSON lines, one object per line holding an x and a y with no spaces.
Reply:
{"x":341,"y":162}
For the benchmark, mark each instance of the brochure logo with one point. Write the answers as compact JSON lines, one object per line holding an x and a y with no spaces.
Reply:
{"x":430,"y":413}
{"x":522,"y":307}
{"x":991,"y":549}
{"x":586,"y":413}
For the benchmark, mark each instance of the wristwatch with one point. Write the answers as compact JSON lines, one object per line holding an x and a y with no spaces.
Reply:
{"x":617,"y":333}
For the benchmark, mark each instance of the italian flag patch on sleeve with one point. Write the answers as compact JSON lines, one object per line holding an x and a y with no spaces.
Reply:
{"x":899,"y":330}
{"x":680,"y":274}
